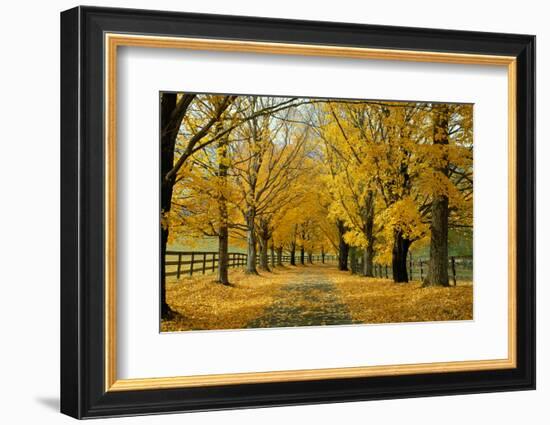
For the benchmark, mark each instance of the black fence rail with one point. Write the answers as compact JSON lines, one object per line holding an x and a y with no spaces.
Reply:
{"x":460,"y":268}
{"x":313,"y":259}
{"x":188,"y":263}
{"x":180,"y":263}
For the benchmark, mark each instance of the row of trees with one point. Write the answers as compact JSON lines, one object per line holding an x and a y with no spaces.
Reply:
{"x":399,"y":173}
{"x":302,"y":175}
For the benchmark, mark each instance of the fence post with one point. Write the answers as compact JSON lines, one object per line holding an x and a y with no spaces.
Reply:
{"x":213,"y":261}
{"x":179,"y":265}
{"x":411,"y":266}
{"x":191,"y":265}
{"x":204,"y":263}
{"x":453,"y":269}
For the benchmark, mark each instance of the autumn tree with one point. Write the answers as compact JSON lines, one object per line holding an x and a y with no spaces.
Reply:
{"x":374,"y":151}
{"x":203,"y":199}
{"x":398,"y":131}
{"x":190,"y":125}
{"x":449,"y":178}
{"x":267,"y":161}
{"x":174,"y":109}
{"x":347,"y":154}
{"x":439,"y":223}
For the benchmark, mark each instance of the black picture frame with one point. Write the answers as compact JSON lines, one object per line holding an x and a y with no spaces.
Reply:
{"x":82,"y":219}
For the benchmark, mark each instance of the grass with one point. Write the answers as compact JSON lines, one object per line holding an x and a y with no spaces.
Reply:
{"x":201,"y":303}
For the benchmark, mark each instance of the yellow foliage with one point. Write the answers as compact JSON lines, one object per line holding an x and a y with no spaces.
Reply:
{"x":333,"y":161}
{"x":392,"y":150}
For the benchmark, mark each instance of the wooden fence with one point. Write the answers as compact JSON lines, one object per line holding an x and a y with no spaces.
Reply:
{"x":182,"y":263}
{"x":188,"y":263}
{"x":460,"y":268}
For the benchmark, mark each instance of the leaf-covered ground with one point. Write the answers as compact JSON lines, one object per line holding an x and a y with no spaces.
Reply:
{"x":309,"y":296}
{"x":305,"y":300}
{"x":383,"y":301}
{"x":201,"y":303}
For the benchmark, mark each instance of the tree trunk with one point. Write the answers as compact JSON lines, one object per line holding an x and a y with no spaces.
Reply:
{"x":272,"y":255}
{"x":255,"y":164}
{"x":310,"y":257}
{"x":323,"y":255}
{"x":438,"y":273}
{"x":343,"y":247}
{"x":302,"y":255}
{"x":368,"y":227}
{"x":223,"y":232}
{"x":172,"y":113}
{"x":293,"y":254}
{"x":251,"y":241}
{"x":353,"y":260}
{"x":165,"y":309}
{"x":264,"y":236}
{"x":223,"y":255}
{"x":399,"y":257}
{"x":264,"y":258}
{"x":368,"y":254}
{"x":279,"y":255}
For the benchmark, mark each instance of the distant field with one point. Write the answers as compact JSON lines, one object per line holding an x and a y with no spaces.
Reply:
{"x":460,"y":244}
{"x":204,"y":244}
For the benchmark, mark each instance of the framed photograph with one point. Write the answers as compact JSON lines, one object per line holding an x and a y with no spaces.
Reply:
{"x":261,"y":212}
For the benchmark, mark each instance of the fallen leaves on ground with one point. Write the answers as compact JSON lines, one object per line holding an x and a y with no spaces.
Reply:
{"x":376,"y":300}
{"x":202,"y":303}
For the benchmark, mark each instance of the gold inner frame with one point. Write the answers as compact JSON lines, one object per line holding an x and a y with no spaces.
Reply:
{"x":113,"y":41}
